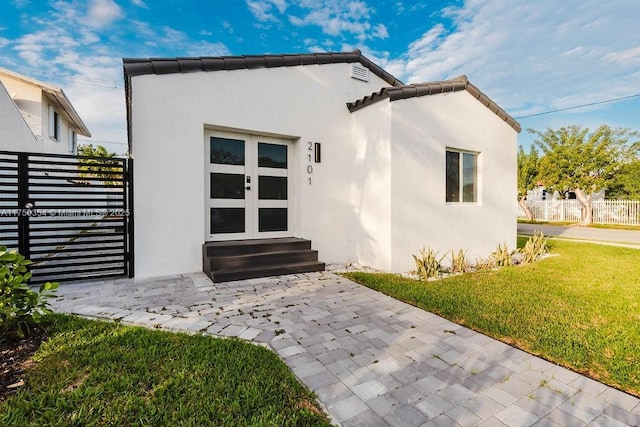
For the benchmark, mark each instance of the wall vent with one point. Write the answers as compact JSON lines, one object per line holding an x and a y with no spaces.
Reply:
{"x":360,"y":72}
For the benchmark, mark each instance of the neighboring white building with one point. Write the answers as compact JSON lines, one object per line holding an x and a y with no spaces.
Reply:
{"x":45,"y":122}
{"x":333,"y":149}
{"x":540,"y":193}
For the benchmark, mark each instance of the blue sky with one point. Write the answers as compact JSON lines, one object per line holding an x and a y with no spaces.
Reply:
{"x":529,"y":56}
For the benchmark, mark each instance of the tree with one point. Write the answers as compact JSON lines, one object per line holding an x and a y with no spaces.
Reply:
{"x":576,"y":160}
{"x":527,"y":176}
{"x":626,"y":183}
{"x":99,"y":163}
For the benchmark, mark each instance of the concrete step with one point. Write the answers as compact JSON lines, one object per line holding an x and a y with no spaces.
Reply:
{"x":247,"y":259}
{"x":265,"y":271}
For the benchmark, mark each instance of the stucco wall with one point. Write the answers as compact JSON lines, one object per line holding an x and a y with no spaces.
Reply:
{"x":15,"y":135}
{"x":378,"y":195}
{"x":422,"y":129}
{"x":371,"y":196}
{"x":170,"y":113}
{"x":33,"y":104}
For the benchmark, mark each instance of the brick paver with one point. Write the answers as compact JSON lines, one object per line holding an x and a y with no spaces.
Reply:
{"x":372,"y":360}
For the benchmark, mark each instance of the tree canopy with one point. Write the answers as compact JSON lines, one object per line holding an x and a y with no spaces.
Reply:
{"x":527,"y":176}
{"x":575,"y":159}
{"x":99,"y":164}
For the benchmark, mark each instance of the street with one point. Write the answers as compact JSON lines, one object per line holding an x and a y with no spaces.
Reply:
{"x":630,"y":238}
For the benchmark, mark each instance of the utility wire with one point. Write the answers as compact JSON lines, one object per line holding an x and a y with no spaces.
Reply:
{"x":578,"y":106}
{"x":102,"y":142}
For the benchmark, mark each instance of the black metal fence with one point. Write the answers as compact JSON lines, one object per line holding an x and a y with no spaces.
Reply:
{"x":71,"y":215}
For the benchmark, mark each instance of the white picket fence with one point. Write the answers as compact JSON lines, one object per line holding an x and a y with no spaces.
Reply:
{"x":623,"y":212}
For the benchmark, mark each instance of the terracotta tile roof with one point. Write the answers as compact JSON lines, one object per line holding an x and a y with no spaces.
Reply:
{"x":136,"y":66}
{"x":423,"y":89}
{"x":398,"y":90}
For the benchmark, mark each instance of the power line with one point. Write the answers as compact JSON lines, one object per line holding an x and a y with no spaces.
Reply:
{"x":102,"y":142}
{"x":578,"y":106}
{"x":88,"y":81}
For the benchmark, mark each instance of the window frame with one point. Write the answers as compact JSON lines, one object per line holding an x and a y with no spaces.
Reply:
{"x":460,"y":177}
{"x":73,"y":141}
{"x":54,"y":124}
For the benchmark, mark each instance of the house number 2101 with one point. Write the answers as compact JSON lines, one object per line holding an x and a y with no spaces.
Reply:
{"x":309,"y":166}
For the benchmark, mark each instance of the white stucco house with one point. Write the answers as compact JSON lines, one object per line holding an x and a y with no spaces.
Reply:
{"x":327,"y":147}
{"x":37,"y":117}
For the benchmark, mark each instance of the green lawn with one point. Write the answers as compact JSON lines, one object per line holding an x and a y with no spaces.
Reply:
{"x":571,"y":224}
{"x":580,"y":309}
{"x":99,"y":373}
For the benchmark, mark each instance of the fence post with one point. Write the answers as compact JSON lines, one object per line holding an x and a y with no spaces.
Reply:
{"x":128,"y":163}
{"x":546,"y":210}
{"x":23,"y":199}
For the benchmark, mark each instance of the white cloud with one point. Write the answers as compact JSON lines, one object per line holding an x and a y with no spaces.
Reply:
{"x":143,"y":29}
{"x":204,"y":48}
{"x":36,"y":48}
{"x":380,"y":31}
{"x":281,"y":5}
{"x":172,"y":36}
{"x":338,"y":18}
{"x":532,"y":56}
{"x":140,"y":3}
{"x":631,"y":55}
{"x":4,"y":42}
{"x":181,"y":44}
{"x":102,"y":13}
{"x":262,"y":10}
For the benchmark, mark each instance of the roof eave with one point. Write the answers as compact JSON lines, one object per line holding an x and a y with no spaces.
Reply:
{"x":133,"y":67}
{"x":433,"y":88}
{"x":57,"y":96}
{"x":60,"y":98}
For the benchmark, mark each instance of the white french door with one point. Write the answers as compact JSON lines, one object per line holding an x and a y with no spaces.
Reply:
{"x":249,"y":186}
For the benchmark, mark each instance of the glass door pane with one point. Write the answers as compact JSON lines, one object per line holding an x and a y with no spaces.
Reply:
{"x":226,"y":151}
{"x":248,"y":186}
{"x":227,"y":169}
{"x":273,"y":186}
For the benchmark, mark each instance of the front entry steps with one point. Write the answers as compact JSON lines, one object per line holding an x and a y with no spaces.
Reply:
{"x":248,"y":259}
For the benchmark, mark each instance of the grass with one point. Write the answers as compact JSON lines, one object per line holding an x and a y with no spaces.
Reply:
{"x":580,"y":309}
{"x":99,"y":373}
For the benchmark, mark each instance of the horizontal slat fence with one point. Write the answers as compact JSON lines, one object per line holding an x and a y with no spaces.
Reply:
{"x":71,"y":220}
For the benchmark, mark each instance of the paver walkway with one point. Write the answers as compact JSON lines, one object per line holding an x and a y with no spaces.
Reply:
{"x":372,"y":360}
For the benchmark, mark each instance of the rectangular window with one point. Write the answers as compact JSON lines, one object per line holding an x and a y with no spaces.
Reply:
{"x":462,"y":177}
{"x":54,"y":124}
{"x":73,"y":141}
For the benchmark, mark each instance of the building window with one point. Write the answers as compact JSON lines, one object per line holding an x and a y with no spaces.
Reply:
{"x":54,"y":124}
{"x":73,"y":141}
{"x":462,"y":177}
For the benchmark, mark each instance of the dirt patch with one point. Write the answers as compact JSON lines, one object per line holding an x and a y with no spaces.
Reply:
{"x":16,"y":355}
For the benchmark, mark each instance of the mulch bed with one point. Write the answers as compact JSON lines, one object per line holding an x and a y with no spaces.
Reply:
{"x":16,"y":355}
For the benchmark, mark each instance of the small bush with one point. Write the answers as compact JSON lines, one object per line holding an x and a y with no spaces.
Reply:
{"x":459,"y":262}
{"x":20,"y":307}
{"x":502,"y":257}
{"x":428,"y":264}
{"x":534,"y":248}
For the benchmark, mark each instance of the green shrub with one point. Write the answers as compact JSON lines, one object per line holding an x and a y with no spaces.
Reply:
{"x":502,"y":257}
{"x":535,"y":247}
{"x":20,"y":307}
{"x":428,"y":265}
{"x":459,"y":262}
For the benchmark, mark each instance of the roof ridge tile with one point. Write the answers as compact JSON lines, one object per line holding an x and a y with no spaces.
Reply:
{"x":140,"y":66}
{"x":432,"y":88}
